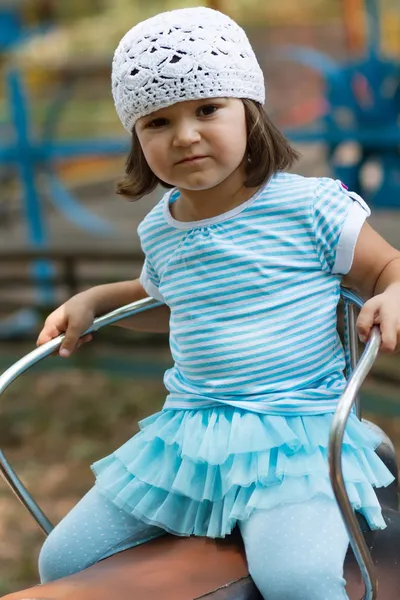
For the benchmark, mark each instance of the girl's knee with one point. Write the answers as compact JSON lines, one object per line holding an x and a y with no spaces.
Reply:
{"x":71,"y":546}
{"x":50,"y":566}
{"x":276,"y":584}
{"x":47,"y":571}
{"x":297,"y":551}
{"x":56,"y":560}
{"x":298,"y":582}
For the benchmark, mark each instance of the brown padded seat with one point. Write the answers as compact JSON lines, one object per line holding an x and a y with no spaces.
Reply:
{"x":168,"y":568}
{"x":171,"y":568}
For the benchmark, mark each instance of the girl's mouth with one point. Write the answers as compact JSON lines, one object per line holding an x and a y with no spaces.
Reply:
{"x":191,"y":159}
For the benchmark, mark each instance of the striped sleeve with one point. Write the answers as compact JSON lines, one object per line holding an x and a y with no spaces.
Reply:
{"x":338,"y":216}
{"x":149,"y":281}
{"x":149,"y":278}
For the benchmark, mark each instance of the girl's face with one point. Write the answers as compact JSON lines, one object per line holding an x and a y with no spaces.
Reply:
{"x":211,"y":133}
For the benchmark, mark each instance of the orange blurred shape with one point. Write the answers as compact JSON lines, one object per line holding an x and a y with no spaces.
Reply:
{"x":90,"y":168}
{"x":354,"y":21}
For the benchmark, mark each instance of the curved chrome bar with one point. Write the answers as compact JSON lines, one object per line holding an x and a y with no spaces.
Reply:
{"x":350,"y":304}
{"x":31,"y":359}
{"x":349,"y":296}
{"x":339,"y":422}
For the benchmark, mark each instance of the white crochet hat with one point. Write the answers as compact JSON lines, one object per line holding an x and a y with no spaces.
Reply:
{"x":184,"y":54}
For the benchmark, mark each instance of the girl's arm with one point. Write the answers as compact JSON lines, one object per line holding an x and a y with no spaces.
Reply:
{"x":375,"y":274}
{"x":113,"y":295}
{"x":76,"y":315}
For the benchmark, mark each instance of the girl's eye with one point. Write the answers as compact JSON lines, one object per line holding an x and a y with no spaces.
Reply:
{"x":156,"y":123}
{"x":204,"y":111}
{"x":207,"y":110}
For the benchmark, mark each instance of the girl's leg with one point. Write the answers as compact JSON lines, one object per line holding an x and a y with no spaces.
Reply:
{"x":93,"y":530}
{"x":297,"y":551}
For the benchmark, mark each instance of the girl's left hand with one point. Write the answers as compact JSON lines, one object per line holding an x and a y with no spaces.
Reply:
{"x":382,"y":310}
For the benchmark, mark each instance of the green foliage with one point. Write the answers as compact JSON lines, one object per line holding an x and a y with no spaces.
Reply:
{"x":52,"y":412}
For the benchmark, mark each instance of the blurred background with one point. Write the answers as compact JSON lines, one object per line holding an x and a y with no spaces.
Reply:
{"x":333,"y":85}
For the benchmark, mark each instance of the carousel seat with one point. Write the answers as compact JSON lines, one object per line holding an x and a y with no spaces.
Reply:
{"x":384,"y":547}
{"x":171,"y":568}
{"x":168,"y":568}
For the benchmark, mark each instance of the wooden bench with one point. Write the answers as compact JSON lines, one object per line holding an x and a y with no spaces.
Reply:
{"x":73,"y":269}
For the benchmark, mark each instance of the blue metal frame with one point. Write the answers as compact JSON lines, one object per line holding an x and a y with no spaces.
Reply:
{"x":28,"y":156}
{"x":368,"y":89}
{"x":12,"y":29}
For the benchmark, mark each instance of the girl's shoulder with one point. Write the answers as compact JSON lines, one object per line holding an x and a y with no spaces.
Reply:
{"x":288,"y":192}
{"x":156,"y":217}
{"x":294,"y":184}
{"x":311,"y":191}
{"x":155,"y":226}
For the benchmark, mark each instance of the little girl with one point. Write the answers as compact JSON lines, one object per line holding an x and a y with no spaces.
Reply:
{"x":249,"y":261}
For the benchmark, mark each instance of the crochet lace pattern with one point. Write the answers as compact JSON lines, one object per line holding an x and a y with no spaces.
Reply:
{"x":184,"y":54}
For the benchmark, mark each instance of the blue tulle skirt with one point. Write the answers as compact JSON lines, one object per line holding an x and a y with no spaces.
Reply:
{"x":198,"y":472}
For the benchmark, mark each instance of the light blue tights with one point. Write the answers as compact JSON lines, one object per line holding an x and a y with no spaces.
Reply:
{"x":294,"y":552}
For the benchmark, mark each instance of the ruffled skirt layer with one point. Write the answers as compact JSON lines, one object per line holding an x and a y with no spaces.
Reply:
{"x":198,"y":472}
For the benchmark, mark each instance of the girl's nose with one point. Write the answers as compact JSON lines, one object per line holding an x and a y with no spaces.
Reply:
{"x":186,"y":134}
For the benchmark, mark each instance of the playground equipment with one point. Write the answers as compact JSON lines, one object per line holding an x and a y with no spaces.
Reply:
{"x":12,"y":28}
{"x":363,"y":109}
{"x":32,"y":157}
{"x":29,"y":157}
{"x":194,"y":568}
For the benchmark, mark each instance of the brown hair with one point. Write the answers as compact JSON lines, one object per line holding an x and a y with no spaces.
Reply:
{"x":268,"y":152}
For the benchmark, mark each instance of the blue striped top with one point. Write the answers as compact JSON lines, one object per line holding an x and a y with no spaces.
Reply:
{"x":253,"y":294}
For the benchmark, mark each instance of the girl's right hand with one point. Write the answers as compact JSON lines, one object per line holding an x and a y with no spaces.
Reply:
{"x":72,"y":318}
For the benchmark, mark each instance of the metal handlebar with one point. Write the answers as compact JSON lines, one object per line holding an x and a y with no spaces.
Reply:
{"x":339,"y":422}
{"x":343,"y":409}
{"x":31,"y":359}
